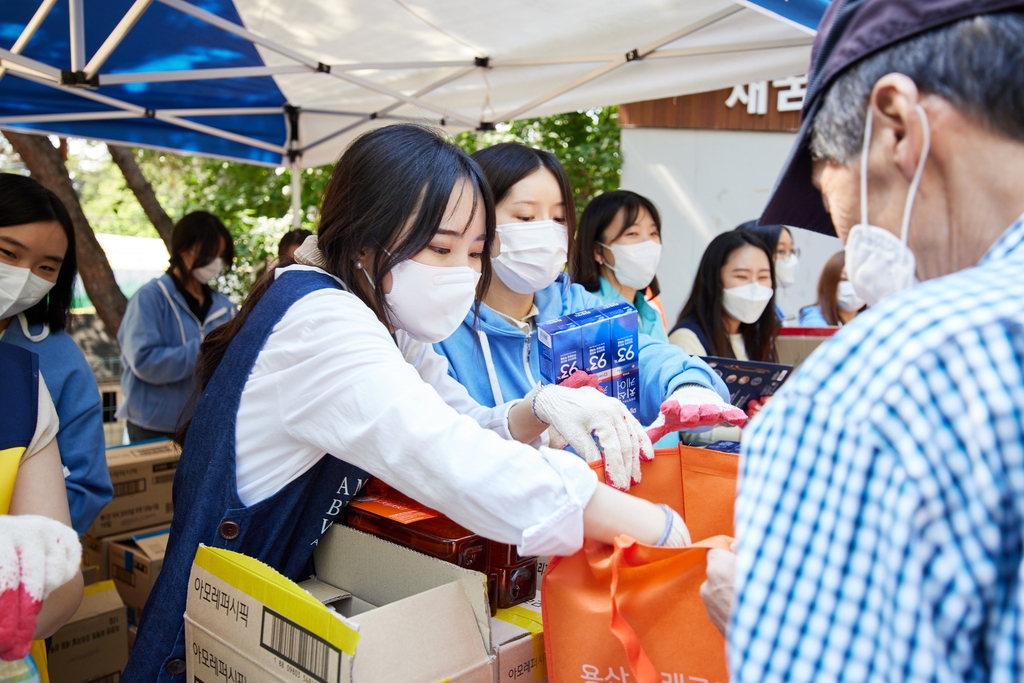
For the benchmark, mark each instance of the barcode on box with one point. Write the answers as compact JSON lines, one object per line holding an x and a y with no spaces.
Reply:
{"x":109,"y":678}
{"x":124,"y":575}
{"x":299,"y":647}
{"x":127,"y":488}
{"x":163,"y":478}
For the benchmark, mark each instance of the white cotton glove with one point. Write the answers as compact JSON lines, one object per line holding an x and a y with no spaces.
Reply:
{"x":691,"y":406}
{"x":717,"y":591}
{"x":597,"y":427}
{"x":37,"y":556}
{"x":676,"y":535}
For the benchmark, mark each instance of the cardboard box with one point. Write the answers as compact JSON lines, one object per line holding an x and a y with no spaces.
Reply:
{"x":133,"y":633}
{"x":96,"y":551}
{"x":93,"y":645}
{"x":142,"y":475}
{"x":518,"y":637}
{"x":90,"y":574}
{"x":400,"y":616}
{"x":134,"y":565}
{"x":795,"y":344}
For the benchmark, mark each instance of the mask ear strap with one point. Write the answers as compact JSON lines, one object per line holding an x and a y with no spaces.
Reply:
{"x":864,"y":167}
{"x":916,"y":180}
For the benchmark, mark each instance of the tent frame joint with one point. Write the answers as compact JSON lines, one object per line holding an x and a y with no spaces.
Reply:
{"x":633,"y":55}
{"x":323,"y":68}
{"x":79,"y":79}
{"x":487,"y":125}
{"x":482,"y":62}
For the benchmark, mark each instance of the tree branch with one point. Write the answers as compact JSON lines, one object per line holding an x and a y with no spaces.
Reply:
{"x":124,"y":157}
{"x":46,"y":165}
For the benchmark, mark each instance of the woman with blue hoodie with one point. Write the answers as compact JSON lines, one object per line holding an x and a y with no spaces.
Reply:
{"x":165,"y":323}
{"x":37,"y":277}
{"x":494,"y":353}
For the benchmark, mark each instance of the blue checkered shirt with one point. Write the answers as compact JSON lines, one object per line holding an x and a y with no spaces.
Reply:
{"x":881,"y":494}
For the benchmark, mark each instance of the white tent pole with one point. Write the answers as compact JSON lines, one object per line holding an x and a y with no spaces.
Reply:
{"x":76,"y":15}
{"x":296,"y":195}
{"x":201,"y":74}
{"x":116,"y":36}
{"x":25,"y":65}
{"x":62,"y":118}
{"x":149,"y":113}
{"x":639,"y":53}
{"x":390,"y":108}
{"x":223,"y":111}
{"x":30,"y":29}
{"x":407,"y":99}
{"x":734,"y":47}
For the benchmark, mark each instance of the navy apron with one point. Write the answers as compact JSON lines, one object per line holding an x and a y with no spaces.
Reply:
{"x":690,"y":323}
{"x":281,"y":531}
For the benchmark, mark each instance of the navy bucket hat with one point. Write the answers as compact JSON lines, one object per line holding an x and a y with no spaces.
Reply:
{"x":851,"y":30}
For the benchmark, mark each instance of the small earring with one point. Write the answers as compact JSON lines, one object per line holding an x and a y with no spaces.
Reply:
{"x":359,"y":265}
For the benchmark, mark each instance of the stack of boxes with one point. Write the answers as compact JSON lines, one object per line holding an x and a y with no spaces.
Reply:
{"x":128,"y":539}
{"x":602,"y":341}
{"x":121,"y":557}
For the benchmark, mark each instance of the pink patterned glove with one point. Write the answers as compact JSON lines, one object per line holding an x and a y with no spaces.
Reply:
{"x":37,"y":556}
{"x":691,"y":406}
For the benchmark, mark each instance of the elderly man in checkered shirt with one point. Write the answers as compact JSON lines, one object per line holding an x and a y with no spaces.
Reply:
{"x":880,"y":517}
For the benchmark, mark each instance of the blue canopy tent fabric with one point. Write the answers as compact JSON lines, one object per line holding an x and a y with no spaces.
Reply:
{"x":290,"y":83}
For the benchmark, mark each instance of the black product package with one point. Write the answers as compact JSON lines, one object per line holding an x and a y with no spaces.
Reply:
{"x":749,"y":380}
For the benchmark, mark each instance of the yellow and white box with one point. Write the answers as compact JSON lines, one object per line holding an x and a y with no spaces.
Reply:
{"x":392,"y":615}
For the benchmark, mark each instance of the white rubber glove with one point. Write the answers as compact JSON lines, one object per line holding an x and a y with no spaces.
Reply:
{"x":691,"y":406}
{"x":37,"y":556}
{"x":718,"y":590}
{"x":676,"y":534}
{"x":597,"y":427}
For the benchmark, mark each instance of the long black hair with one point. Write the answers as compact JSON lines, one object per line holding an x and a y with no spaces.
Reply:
{"x":507,"y":163}
{"x":769,"y":234}
{"x":202,"y":229}
{"x":23,"y":200}
{"x":705,"y":302}
{"x":596,"y":218}
{"x":388,"y":193}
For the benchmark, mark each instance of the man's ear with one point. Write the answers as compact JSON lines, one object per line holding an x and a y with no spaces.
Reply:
{"x":897,"y":121}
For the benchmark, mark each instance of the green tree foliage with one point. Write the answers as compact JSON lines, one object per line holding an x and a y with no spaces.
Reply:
{"x":586,"y":142}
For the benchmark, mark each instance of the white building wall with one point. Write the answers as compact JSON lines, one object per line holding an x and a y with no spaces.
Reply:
{"x":705,"y":182}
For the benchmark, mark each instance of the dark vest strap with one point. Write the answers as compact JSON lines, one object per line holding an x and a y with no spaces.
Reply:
{"x":691,"y":323}
{"x":19,"y":399}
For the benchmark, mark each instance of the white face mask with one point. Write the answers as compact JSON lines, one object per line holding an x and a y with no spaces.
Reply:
{"x":20,"y":290}
{"x":532,"y":254}
{"x":210,"y":271}
{"x":847,"y":298}
{"x":747,"y":302}
{"x":785,"y":270}
{"x":878,"y":263}
{"x":430,"y":302}
{"x":635,"y":264}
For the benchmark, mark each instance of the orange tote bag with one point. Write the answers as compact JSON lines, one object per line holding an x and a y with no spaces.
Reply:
{"x":632,"y":613}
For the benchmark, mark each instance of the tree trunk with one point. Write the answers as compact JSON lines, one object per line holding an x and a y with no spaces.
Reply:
{"x":125,"y":160}
{"x":46,"y":165}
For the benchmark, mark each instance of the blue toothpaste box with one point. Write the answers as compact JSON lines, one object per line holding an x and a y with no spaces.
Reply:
{"x":595,"y":331}
{"x":561,"y":350}
{"x":604,"y":341}
{"x":624,"y":336}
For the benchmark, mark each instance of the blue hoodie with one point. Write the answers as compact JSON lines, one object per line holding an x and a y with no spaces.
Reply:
{"x":515,"y":358}
{"x":72,"y":385}
{"x":160,"y":338}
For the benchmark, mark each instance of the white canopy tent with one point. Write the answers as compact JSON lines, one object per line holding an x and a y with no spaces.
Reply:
{"x":290,"y":83}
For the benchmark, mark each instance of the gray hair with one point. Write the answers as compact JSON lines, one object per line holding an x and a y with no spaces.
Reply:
{"x":977,"y":65}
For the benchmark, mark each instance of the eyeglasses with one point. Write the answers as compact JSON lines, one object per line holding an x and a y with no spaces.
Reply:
{"x":783,"y":254}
